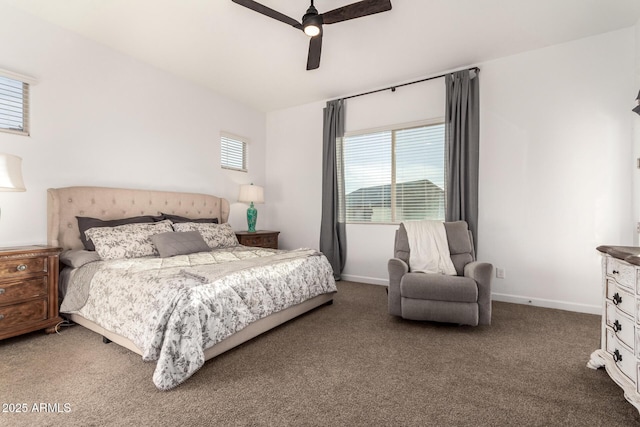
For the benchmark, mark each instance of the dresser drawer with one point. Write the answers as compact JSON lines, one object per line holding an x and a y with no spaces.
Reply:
{"x":12,"y":291}
{"x":623,"y":273}
{"x":621,"y":297}
{"x":622,"y":325}
{"x":26,"y":312}
{"x":624,"y":358}
{"x":22,"y":266}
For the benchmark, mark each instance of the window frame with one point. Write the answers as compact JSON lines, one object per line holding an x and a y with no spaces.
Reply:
{"x":27,"y":82}
{"x":436,"y":121}
{"x":237,"y":139}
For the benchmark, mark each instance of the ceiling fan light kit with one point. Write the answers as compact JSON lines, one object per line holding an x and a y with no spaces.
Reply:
{"x":312,"y":30}
{"x":312,"y":21}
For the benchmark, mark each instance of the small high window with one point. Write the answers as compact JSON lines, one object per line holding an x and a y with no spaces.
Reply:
{"x":233,"y":152}
{"x":14,"y":103}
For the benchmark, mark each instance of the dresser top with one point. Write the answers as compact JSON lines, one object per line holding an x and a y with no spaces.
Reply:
{"x":630,"y":254}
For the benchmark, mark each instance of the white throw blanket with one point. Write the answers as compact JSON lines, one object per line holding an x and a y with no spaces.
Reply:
{"x":429,"y":249}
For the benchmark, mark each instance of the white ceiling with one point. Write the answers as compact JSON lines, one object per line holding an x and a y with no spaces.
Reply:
{"x":261,"y":62}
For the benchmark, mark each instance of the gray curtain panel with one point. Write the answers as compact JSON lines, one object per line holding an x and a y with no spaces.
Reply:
{"x":462,"y":136}
{"x":333,"y":236}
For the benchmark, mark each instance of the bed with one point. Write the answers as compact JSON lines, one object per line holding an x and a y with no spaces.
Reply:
{"x":181,"y":309}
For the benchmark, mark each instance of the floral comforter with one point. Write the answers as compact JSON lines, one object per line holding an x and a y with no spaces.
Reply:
{"x":175,"y":308}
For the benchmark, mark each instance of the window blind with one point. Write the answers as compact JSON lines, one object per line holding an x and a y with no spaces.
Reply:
{"x":14,"y":106}
{"x":395,"y":175}
{"x":233,"y":152}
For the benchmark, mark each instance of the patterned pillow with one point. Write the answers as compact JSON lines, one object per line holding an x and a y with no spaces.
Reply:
{"x":85,"y":223}
{"x":216,"y":235}
{"x":127,"y":241}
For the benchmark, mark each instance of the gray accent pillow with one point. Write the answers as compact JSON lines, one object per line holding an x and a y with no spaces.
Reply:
{"x":78,"y":257}
{"x":85,"y":223}
{"x":177,"y":218}
{"x":179,"y":243}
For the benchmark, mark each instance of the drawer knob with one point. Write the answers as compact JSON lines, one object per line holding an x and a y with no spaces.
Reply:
{"x":615,"y":272}
{"x":617,"y":299}
{"x":21,"y":267}
{"x":1,"y":291}
{"x":617,"y":326}
{"x":1,"y":316}
{"x":617,"y":357}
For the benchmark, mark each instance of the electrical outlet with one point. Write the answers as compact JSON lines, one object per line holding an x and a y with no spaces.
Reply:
{"x":500,"y":273}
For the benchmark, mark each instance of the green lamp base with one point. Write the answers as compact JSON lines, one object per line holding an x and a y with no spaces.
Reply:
{"x":252,"y":217}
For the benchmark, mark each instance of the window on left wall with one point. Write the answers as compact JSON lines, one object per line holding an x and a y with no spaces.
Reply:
{"x":14,"y":105}
{"x":233,"y":152}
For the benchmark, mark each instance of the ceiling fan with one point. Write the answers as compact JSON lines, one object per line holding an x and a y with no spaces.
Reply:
{"x":312,"y":21}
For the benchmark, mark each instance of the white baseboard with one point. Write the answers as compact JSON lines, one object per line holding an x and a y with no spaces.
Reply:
{"x":515,"y":299}
{"x":547,"y":303}
{"x":367,"y":280}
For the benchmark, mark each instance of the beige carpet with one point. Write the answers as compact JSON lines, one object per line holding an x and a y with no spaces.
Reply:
{"x":348,"y":364}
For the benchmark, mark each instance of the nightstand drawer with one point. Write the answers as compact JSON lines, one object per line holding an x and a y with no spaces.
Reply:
{"x":270,"y":242}
{"x":26,"y":312}
{"x":12,"y":291}
{"x":259,"y":239}
{"x":22,"y":266}
{"x":28,"y":289}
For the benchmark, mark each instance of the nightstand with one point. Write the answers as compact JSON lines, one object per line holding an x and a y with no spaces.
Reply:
{"x":261,"y":238}
{"x":28,"y":290}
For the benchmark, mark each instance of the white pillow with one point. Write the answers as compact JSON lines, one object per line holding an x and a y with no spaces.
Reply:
{"x":127,"y":241}
{"x":216,"y":235}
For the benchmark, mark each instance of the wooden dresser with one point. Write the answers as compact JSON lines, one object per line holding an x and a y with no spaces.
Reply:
{"x":260,"y":238}
{"x":28,"y":290}
{"x":619,"y":351}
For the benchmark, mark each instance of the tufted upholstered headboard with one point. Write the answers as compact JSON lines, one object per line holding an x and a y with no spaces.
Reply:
{"x":64,"y":204}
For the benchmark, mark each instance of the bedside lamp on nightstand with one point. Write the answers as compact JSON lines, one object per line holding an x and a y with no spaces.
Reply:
{"x":251,"y":194}
{"x":11,"y":173}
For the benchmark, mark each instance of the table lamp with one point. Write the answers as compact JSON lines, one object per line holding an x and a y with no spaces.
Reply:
{"x":251,"y":194}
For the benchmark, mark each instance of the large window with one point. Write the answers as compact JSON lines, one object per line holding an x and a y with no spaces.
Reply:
{"x":14,"y":105}
{"x":394,"y":175}
{"x":233,"y":152}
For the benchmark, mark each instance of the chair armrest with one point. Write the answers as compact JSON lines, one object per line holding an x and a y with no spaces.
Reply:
{"x":482,"y":273}
{"x":397,"y":268}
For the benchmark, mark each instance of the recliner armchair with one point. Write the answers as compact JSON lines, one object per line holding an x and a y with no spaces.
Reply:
{"x":464,"y":299}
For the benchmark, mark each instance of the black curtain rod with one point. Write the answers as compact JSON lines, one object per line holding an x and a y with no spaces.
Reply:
{"x":393,"y":88}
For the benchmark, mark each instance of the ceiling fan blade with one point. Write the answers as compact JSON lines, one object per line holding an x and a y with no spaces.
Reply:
{"x":257,"y":7}
{"x":356,"y":10}
{"x":315,"y":49}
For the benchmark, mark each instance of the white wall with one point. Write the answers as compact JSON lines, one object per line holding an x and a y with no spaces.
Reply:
{"x":555,"y":175}
{"x":294,"y":174}
{"x":556,"y":168}
{"x":102,"y":118}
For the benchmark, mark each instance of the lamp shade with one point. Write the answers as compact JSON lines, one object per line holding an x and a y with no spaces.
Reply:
{"x":11,"y":173}
{"x":251,"y":193}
